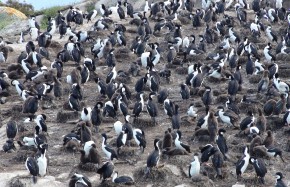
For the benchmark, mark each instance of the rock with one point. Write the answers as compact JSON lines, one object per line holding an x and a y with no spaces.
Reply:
{"x":238,"y":185}
{"x":202,"y":181}
{"x":15,"y":182}
{"x":3,"y":100}
{"x":174,"y":169}
{"x":254,"y":79}
{"x":63,"y":176}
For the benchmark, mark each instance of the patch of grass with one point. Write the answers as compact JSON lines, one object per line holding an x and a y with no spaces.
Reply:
{"x":90,"y":6}
{"x":48,"y":12}
{"x":5,"y":20}
{"x":25,"y":8}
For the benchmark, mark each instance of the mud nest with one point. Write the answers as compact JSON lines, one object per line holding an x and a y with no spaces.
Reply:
{"x":22,"y":155}
{"x":254,"y":79}
{"x":156,"y":175}
{"x":91,"y":167}
{"x":16,"y":182}
{"x":64,"y":116}
{"x":143,"y":123}
{"x":181,"y":70}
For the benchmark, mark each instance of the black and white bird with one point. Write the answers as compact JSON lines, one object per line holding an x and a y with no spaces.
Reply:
{"x":272,"y":15}
{"x":104,"y":11}
{"x":121,"y":38}
{"x":267,"y":53}
{"x":138,"y":107}
{"x":203,"y":120}
{"x":152,"y":108}
{"x":272,"y":36}
{"x":279,"y":180}
{"x":33,"y":23}
{"x":241,"y":13}
{"x":32,"y":167}
{"x":234,"y":37}
{"x":11,"y":129}
{"x":222,"y":142}
{"x":139,"y":86}
{"x":217,"y":161}
{"x":192,"y":111}
{"x":250,"y":66}
{"x":162,"y":96}
{"x":255,"y":29}
{"x":281,"y":86}
{"x":110,"y":110}
{"x":154,"y":157}
{"x":168,"y":107}
{"x":122,"y":180}
{"x":101,"y":85}
{"x":233,"y":86}
{"x":194,"y":167}
{"x":206,"y":153}
{"x":40,"y":122}
{"x":74,"y":102}
{"x":243,"y":163}
{"x":207,"y":97}
{"x":85,"y":74}
{"x":122,"y":106}
{"x":112,"y":75}
{"x":18,"y":86}
{"x":139,"y":137}
{"x":260,"y":168}
{"x":121,"y":140}
{"x":247,"y":121}
{"x":80,"y":181}
{"x":111,"y":59}
{"x":106,"y":170}
{"x":127,"y":127}
{"x":92,"y":14}
{"x":42,"y":160}
{"x":33,"y":32}
{"x":286,"y":118}
{"x":228,"y":117}
{"x":86,"y":114}
{"x":30,"y":105}
{"x":178,"y":143}
{"x":108,"y":150}
{"x":184,"y":91}
{"x":232,"y":105}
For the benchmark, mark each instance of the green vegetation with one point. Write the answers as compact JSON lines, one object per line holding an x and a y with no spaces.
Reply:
{"x":90,"y":6}
{"x":25,"y":8}
{"x":49,"y":12}
{"x":5,"y":20}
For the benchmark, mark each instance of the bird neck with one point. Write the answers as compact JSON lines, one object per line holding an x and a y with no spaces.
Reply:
{"x":104,"y":141}
{"x":114,"y":177}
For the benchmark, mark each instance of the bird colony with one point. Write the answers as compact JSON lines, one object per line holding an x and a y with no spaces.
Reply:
{"x":175,"y":92}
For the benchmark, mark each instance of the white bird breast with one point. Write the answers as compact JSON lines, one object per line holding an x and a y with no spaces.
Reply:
{"x":118,"y":127}
{"x":42,"y":165}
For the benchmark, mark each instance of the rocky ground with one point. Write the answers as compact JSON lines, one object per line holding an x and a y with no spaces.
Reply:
{"x":61,"y":120}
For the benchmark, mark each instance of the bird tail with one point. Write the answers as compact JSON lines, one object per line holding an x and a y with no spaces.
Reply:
{"x":227,"y":156}
{"x":147,"y":171}
{"x":34,"y":179}
{"x":219,"y":172}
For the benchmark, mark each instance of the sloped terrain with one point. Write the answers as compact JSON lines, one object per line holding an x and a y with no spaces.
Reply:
{"x":61,"y":120}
